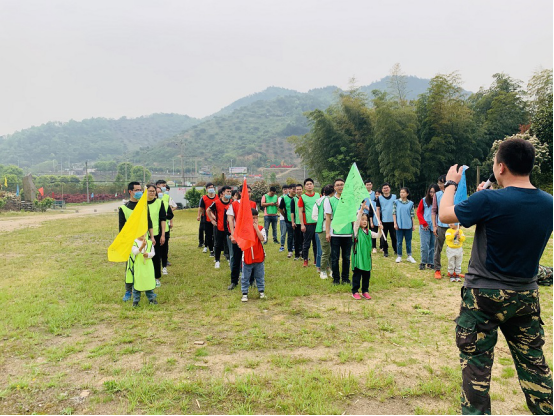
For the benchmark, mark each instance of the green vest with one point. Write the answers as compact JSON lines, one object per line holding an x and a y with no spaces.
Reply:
{"x":154,"y":211}
{"x":309,"y":202}
{"x":165,"y":200}
{"x":126,"y":211}
{"x":347,"y":229}
{"x":361,"y":251}
{"x":140,"y":271}
{"x":273,"y":209}
{"x":320,"y":216}
{"x":296,"y":211}
{"x":287,"y":200}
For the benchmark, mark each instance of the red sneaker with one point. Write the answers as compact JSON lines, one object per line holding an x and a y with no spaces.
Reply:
{"x":461,"y":276}
{"x":438,"y":274}
{"x":366,"y":295}
{"x":356,"y":296}
{"x":305,"y":263}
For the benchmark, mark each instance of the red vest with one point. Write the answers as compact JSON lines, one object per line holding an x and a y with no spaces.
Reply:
{"x":207,"y":202}
{"x":256,"y":253}
{"x":236,"y":206}
{"x":221,"y":214}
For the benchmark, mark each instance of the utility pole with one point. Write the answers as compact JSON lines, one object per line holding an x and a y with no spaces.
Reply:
{"x":182,"y":163}
{"x":478,"y":175}
{"x":173,"y":167}
{"x":86,"y":176}
{"x":143,"y":176}
{"x":125,"y":173}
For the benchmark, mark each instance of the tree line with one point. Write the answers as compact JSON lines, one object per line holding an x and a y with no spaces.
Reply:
{"x":412,"y":142}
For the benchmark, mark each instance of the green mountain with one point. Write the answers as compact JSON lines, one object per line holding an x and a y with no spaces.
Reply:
{"x":90,"y":139}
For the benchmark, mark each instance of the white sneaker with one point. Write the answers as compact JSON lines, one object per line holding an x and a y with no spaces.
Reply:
{"x":158,"y":283}
{"x":374,"y":251}
{"x":323,"y":275}
{"x":164,"y":270}
{"x":411,"y":259}
{"x":244,"y":298}
{"x":398,"y":259}
{"x":205,"y":250}
{"x":262,"y":295}
{"x":217,"y":265}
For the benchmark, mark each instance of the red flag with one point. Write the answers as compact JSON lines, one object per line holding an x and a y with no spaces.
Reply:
{"x":41,"y":190}
{"x":244,"y":228}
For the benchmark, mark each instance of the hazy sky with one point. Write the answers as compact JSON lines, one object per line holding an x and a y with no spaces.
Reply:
{"x":62,"y":60}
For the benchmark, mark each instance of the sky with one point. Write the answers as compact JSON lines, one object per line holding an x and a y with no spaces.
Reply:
{"x":63,"y":60}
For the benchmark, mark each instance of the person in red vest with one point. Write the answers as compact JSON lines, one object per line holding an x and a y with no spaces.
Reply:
{"x":236,"y":252}
{"x":206,"y":228}
{"x":253,"y":268}
{"x":217,"y":212}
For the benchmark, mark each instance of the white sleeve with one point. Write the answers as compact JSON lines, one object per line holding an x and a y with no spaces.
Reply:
{"x":263,"y":233}
{"x":152,"y":252}
{"x":135,"y":250}
{"x":327,"y":209}
{"x":230,"y":210}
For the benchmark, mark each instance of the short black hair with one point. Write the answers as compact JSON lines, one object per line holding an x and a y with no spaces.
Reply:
{"x":299,"y":185}
{"x":234,"y":192}
{"x":368,"y":181}
{"x":151,"y":185}
{"x":167,"y":186}
{"x":223,"y":189}
{"x":442,"y":179}
{"x":338,"y":180}
{"x":518,"y":155}
{"x":272,"y":189}
{"x":160,"y":181}
{"x":328,"y":189}
{"x":248,"y":186}
{"x":254,"y":212}
{"x":209,"y":184}
{"x":132,"y":185}
{"x":308,"y":180}
{"x":385,"y":184}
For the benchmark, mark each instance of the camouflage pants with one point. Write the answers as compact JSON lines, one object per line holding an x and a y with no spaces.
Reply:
{"x":517,"y":314}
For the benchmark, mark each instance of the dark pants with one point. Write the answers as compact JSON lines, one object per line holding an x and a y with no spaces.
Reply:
{"x":517,"y":314}
{"x":364,"y":276}
{"x":339,"y":244}
{"x":201,"y":228}
{"x":290,"y":237}
{"x":157,"y":259}
{"x":209,"y":237}
{"x":150,"y":295}
{"x":164,"y":250}
{"x":220,"y":243}
{"x":439,"y":243}
{"x":236,"y":264}
{"x":309,"y":238}
{"x":298,"y":241}
{"x":271,"y":221}
{"x":388,"y":227}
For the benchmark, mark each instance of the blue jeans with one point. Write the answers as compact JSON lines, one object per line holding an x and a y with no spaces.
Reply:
{"x":271,"y":220}
{"x":404,"y":234}
{"x":427,"y":239}
{"x":256,"y":270}
{"x":283,"y":228}
{"x":150,"y":295}
{"x":318,"y":249}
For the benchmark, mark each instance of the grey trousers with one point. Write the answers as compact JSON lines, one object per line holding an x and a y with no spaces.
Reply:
{"x":439,"y":242}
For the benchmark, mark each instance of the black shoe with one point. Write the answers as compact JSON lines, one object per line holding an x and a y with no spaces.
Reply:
{"x":346,"y":282}
{"x":336,"y":282}
{"x":276,"y":242}
{"x":232,"y":286}
{"x":421,"y":266}
{"x":200,"y":245}
{"x":431,"y":266}
{"x":386,"y":254}
{"x":153,"y":302}
{"x":135,"y":304}
{"x":212,"y":254}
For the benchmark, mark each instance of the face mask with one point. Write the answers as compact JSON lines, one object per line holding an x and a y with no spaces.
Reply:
{"x":227,"y":197}
{"x":163,"y":188}
{"x":160,"y":195}
{"x":211,"y":191}
{"x":166,"y":192}
{"x":138,"y":194}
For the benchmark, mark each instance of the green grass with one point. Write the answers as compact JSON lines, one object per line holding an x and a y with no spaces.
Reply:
{"x":308,"y":348}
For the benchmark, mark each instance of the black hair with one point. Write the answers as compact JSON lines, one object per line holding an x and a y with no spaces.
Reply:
{"x":248,"y":186}
{"x":405,"y":188}
{"x":308,"y":180}
{"x":150,"y":185}
{"x":442,"y":179}
{"x":132,"y":185}
{"x":338,"y":180}
{"x":167,"y":186}
{"x":272,"y":189}
{"x":209,"y":184}
{"x":234,"y":192}
{"x":299,"y":185}
{"x":518,"y":155}
{"x":160,"y":181}
{"x":254,"y":212}
{"x":385,"y":184}
{"x":428,"y":199}
{"x":368,"y":181}
{"x":328,"y":189}
{"x":222,"y":189}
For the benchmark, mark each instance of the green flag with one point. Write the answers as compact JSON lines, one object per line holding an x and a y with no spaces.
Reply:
{"x":353,"y":194}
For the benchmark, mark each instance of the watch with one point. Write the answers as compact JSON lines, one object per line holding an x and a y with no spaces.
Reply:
{"x":448,"y":183}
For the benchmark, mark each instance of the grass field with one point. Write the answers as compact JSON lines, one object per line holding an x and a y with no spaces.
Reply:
{"x":70,"y":345}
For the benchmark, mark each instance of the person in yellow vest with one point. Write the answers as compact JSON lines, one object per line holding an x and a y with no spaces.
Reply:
{"x":157,"y":213}
{"x":140,"y":270}
{"x":125,"y":211}
{"x":454,"y":238}
{"x":169,"y":205}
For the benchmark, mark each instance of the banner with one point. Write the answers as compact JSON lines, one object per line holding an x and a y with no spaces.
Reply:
{"x":354,"y":192}
{"x":244,"y":227}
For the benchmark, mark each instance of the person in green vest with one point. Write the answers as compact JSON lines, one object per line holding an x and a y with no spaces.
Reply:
{"x":284,"y":207}
{"x":307,"y":224}
{"x":295,"y":221}
{"x":140,"y":270}
{"x":361,"y":253}
{"x":125,"y":211}
{"x":157,"y":213}
{"x":325,"y":246}
{"x":271,"y":214}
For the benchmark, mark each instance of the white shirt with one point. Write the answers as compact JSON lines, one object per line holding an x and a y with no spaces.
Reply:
{"x":328,"y":209}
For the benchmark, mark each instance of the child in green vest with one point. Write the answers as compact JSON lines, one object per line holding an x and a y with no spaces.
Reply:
{"x":140,"y":270}
{"x":361,"y":254}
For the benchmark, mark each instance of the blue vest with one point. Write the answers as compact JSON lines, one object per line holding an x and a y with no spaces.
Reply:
{"x":427,"y":214}
{"x":403,"y":217}
{"x":386,"y":208}
{"x":439,"y":197}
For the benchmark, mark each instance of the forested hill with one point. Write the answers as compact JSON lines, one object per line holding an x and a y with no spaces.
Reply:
{"x":90,"y":139}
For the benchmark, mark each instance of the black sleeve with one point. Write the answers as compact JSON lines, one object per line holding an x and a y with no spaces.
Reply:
{"x":282,"y":204}
{"x":201,"y":204}
{"x":163,"y":216}
{"x":149,"y":220}
{"x":122,"y":219}
{"x":292,"y":206}
{"x":169,"y":215}
{"x":377,"y":204}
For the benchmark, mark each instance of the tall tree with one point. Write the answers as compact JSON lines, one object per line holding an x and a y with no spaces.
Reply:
{"x":398,"y":84}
